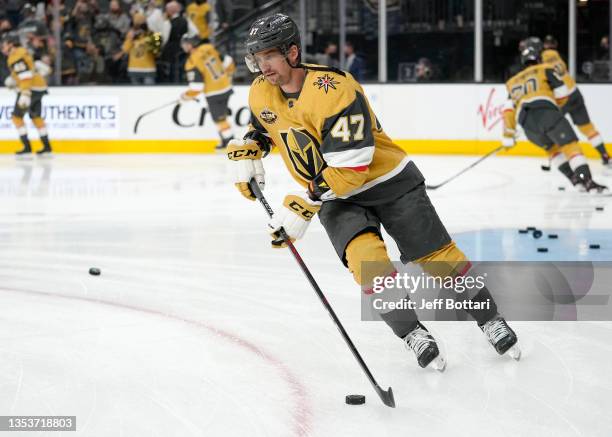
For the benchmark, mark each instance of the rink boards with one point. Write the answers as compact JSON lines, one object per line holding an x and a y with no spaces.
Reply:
{"x":431,"y":119}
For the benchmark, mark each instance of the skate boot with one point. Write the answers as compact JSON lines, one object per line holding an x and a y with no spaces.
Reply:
{"x":592,"y":186}
{"x":425,"y":348}
{"x":25,"y":153}
{"x":501,"y":336}
{"x":45,"y":151}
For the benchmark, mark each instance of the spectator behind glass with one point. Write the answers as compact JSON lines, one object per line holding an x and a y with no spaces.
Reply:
{"x":329,"y":56}
{"x":172,"y":56}
{"x":80,"y":26}
{"x":108,"y":41}
{"x":5,"y":27}
{"x":604,"y":49}
{"x":69,"y":70}
{"x":119,"y":20}
{"x":354,"y":63}
{"x":199,"y":13}
{"x":141,"y":55}
{"x":13,"y":8}
{"x":31,"y":24}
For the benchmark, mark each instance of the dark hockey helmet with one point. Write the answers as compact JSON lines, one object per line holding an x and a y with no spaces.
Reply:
{"x":535,"y":42}
{"x":530,"y":56}
{"x":550,"y":42}
{"x":194,"y":40}
{"x":273,"y":31}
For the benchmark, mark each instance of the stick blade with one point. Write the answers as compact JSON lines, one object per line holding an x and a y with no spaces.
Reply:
{"x":386,"y":396}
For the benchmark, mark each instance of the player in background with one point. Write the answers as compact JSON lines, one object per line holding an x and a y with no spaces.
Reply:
{"x":205,"y":74}
{"x":535,"y":96}
{"x":575,"y":105}
{"x":31,"y":87}
{"x":353,"y":175}
{"x":199,"y":12}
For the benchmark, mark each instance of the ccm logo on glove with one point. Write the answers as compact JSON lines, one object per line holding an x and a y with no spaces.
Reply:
{"x":301,"y":210}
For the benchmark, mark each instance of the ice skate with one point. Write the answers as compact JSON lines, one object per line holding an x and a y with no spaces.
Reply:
{"x":425,"y":348}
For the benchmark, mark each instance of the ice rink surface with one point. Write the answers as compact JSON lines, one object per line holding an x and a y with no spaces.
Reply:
{"x":197,"y":328}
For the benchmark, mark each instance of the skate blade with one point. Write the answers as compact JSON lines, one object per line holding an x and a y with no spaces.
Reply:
{"x":515,"y":352}
{"x":438,"y":363}
{"x":24,"y":157}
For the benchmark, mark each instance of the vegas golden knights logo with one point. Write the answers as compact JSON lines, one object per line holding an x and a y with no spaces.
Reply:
{"x":303,"y":151}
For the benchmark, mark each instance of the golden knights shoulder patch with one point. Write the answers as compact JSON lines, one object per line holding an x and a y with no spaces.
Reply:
{"x":326,"y":82}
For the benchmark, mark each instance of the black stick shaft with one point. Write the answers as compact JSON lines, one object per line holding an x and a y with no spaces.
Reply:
{"x":474,"y":164}
{"x":385,"y":396}
{"x":144,"y":114}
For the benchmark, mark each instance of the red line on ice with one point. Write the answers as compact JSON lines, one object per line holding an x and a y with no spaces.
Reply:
{"x":302,"y":413}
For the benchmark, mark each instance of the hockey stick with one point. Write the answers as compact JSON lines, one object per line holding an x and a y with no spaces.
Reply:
{"x":474,"y":164}
{"x":385,"y":396}
{"x":144,"y":114}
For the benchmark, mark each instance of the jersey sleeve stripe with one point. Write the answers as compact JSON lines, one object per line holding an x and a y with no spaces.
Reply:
{"x":25,"y":75}
{"x":350,"y":158}
{"x":561,"y":92}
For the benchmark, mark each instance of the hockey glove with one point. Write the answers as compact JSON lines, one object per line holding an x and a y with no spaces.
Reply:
{"x":10,"y":83}
{"x":247,"y":156}
{"x":24,"y":99}
{"x":294,"y":217}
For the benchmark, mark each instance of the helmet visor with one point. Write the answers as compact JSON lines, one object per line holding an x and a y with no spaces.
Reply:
{"x":256,"y":61}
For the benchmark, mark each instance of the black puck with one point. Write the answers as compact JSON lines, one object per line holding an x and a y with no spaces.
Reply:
{"x":553,"y":236}
{"x":594,"y":246}
{"x":537,"y":233}
{"x":355,"y":399}
{"x":523,"y":231}
{"x":599,"y":208}
{"x":545,"y":168}
{"x":531,"y":228}
{"x":561,"y":188}
{"x":94,"y":271}
{"x":542,"y":249}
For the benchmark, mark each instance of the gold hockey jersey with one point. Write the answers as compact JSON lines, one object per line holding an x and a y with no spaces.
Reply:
{"x":140,"y":56}
{"x":200,"y":17}
{"x":553,"y":58}
{"x":205,"y":72}
{"x":535,"y":86}
{"x":21,"y":66}
{"x":330,"y":128}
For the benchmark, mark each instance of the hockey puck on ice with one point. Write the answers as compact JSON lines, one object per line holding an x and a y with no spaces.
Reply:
{"x":537,"y":233}
{"x":553,"y":236}
{"x":594,"y":246}
{"x":355,"y":399}
{"x":545,"y":168}
{"x":531,"y":228}
{"x":542,"y":249}
{"x":599,"y":208}
{"x":523,"y":231}
{"x":94,"y":271}
{"x":561,"y":188}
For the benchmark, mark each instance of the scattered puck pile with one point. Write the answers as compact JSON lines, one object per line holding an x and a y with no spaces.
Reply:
{"x":537,"y":234}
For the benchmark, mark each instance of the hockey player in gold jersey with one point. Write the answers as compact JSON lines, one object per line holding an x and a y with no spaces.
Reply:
{"x":354,"y":177}
{"x":575,"y":105}
{"x":206,"y":74}
{"x":535,"y":96}
{"x":31,"y":87}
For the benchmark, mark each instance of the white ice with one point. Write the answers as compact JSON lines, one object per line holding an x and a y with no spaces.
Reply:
{"x":197,"y":328}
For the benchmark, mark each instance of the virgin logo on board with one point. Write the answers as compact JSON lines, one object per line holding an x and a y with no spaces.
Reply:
{"x":490,"y":113}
